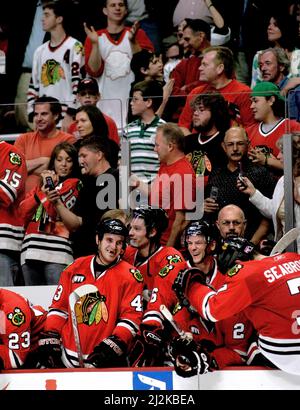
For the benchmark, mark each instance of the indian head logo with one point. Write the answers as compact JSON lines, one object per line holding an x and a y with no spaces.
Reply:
{"x":52,"y":72}
{"x":91,"y":308}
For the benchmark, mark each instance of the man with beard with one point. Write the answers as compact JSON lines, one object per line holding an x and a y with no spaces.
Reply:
{"x":211,"y":119}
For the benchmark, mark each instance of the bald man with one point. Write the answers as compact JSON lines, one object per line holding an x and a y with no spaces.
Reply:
{"x":231,"y":221}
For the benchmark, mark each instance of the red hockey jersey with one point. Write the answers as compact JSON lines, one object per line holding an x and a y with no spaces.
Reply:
{"x":268,"y":293}
{"x":20,"y":325}
{"x":109,"y":305}
{"x":13,"y":173}
{"x":164,"y":259}
{"x":46,"y":237}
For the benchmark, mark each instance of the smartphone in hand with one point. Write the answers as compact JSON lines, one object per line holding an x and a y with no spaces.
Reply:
{"x":49,"y":184}
{"x":241,"y":177}
{"x":214,"y":193}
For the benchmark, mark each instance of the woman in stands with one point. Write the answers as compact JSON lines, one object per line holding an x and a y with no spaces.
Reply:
{"x":46,"y":248}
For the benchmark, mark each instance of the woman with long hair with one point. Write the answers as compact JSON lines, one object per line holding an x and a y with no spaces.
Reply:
{"x":46,"y":248}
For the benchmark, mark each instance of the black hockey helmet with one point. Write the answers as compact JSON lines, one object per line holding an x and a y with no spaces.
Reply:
{"x":232,"y":249}
{"x":114,"y":226}
{"x":200,"y":227}
{"x":154,"y":218}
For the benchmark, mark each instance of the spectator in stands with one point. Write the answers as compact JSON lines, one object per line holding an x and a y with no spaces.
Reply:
{"x":88,"y":94}
{"x":274,"y":66}
{"x":21,"y":324}
{"x":100,"y":192}
{"x":273,"y":208}
{"x":231,"y":221}
{"x":38,"y":145}
{"x":108,"y":55}
{"x":149,"y":66}
{"x":46,"y":248}
{"x":57,"y":64}
{"x":90,"y":121}
{"x":176,"y":179}
{"x":211,"y":119}
{"x":268,"y":108}
{"x":173,"y":56}
{"x":217,"y":71}
{"x":146,"y":99}
{"x":282,"y":32}
{"x":13,"y":174}
{"x":235,"y":145}
{"x":109,"y":310}
{"x":186,"y":74}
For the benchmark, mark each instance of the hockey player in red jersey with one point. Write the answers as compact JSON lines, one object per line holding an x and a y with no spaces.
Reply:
{"x":13,"y":174}
{"x":145,"y":251}
{"x":227,"y":340}
{"x":266,"y":289}
{"x":20,"y":325}
{"x":107,"y":310}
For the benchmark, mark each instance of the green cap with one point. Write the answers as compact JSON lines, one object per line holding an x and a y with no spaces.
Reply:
{"x":266,"y":89}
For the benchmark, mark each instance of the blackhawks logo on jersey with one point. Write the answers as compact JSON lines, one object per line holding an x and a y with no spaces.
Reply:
{"x":234,"y":270}
{"x":15,"y":158}
{"x":137,"y":275}
{"x":16,"y":317}
{"x":91,"y":308}
{"x":171,"y":259}
{"x":52,"y":72}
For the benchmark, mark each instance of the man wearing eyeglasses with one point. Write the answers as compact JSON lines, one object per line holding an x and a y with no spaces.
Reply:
{"x":231,"y":221}
{"x":235,"y":146}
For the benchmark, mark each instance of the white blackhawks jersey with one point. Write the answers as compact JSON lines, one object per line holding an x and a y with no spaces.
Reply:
{"x":56,"y":72}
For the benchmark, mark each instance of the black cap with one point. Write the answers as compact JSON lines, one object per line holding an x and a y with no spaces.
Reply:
{"x":89,"y":84}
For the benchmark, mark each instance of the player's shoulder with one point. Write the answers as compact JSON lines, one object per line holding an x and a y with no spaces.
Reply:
{"x":129,"y":271}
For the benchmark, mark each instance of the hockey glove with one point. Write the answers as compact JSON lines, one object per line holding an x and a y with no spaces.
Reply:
{"x":190,"y":359}
{"x":49,"y":350}
{"x":152,"y":336}
{"x":109,"y":353}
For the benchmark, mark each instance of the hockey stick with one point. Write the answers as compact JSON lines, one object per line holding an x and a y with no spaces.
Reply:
{"x":168,"y":315}
{"x":73,"y":299}
{"x":285,"y":241}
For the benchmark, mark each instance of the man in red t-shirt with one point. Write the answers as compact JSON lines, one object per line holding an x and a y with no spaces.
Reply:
{"x":217,"y":71}
{"x":174,"y":187}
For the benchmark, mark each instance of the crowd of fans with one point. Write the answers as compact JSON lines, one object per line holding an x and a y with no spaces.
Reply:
{"x":202,"y":107}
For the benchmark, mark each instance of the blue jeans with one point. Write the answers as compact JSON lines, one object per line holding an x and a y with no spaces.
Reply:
{"x":42,"y":273}
{"x":9,"y":268}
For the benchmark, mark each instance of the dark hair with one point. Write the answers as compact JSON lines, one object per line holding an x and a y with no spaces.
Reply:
{"x":218,"y":107}
{"x":55,"y":106}
{"x":278,"y":106}
{"x":96,"y":144}
{"x":197,"y":25}
{"x":97,"y":119}
{"x":288,"y":26}
{"x":61,"y":8}
{"x":72,"y":152}
{"x":150,"y":89}
{"x":140,"y":60}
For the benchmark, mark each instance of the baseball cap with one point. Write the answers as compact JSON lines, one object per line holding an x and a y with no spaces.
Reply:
{"x":88,"y":84}
{"x":266,"y":89}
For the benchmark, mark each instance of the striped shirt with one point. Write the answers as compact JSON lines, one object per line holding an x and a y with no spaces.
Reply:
{"x":144,"y":160}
